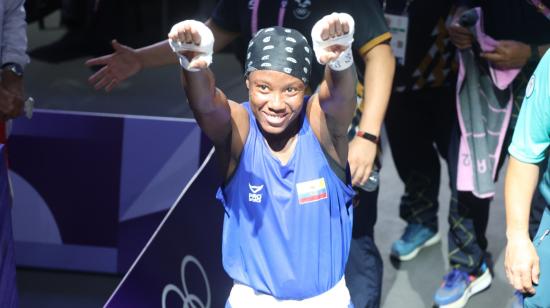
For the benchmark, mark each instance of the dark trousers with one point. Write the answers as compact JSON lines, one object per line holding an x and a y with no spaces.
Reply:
{"x":364,"y":267}
{"x":468,"y":217}
{"x":422,"y":127}
{"x":419,"y":125}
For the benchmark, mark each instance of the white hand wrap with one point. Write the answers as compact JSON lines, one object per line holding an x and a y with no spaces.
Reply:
{"x":205,"y":49}
{"x":345,"y":59}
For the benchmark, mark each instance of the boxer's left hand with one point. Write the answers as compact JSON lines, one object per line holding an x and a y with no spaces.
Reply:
{"x":332,"y":37}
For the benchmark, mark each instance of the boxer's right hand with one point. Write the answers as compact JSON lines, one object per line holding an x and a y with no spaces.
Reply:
{"x":193,"y":42}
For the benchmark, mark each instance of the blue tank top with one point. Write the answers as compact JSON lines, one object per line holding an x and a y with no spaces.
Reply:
{"x":287,"y":228}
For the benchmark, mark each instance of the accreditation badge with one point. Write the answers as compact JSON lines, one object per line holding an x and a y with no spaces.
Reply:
{"x":399,"y":27}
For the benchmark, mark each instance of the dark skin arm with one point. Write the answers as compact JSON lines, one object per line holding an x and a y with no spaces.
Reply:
{"x":223,"y":121}
{"x":334,"y":106}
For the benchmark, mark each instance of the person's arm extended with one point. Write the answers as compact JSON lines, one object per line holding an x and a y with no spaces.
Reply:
{"x":160,"y":54}
{"x":521,"y":261}
{"x":337,"y":97}
{"x":223,"y":121}
{"x":209,"y":105}
{"x":334,"y":105}
{"x":125,"y":61}
{"x":379,"y":71}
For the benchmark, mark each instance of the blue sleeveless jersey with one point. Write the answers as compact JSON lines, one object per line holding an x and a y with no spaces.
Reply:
{"x":287,"y":228}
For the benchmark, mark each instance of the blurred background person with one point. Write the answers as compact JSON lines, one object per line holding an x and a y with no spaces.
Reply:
{"x":526,"y":262}
{"x":420,"y":115}
{"x":13,"y":46}
{"x":420,"y":122}
{"x":518,"y":46}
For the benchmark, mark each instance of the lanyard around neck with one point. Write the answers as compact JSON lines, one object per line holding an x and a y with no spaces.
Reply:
{"x":254,"y":20}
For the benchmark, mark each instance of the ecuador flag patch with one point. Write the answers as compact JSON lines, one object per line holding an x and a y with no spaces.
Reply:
{"x":311,"y":191}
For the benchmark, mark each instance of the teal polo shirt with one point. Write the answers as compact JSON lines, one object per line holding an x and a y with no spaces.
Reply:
{"x":531,"y":140}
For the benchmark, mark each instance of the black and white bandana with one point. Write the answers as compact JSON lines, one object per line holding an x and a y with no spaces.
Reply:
{"x":280,"y":49}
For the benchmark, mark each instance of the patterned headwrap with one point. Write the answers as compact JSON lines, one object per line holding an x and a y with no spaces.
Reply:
{"x":280,"y":49}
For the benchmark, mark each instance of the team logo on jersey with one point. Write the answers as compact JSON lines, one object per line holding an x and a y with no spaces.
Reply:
{"x":530,"y":87}
{"x":302,"y":11}
{"x":311,"y":191}
{"x":254,"y":195}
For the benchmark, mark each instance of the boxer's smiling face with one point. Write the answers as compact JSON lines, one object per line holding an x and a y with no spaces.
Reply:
{"x":276,"y":100}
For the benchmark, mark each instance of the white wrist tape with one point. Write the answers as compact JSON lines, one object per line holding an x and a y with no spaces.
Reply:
{"x":345,"y":59}
{"x":204,"y":50}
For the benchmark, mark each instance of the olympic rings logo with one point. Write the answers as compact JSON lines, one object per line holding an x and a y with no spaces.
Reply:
{"x":189,"y":300}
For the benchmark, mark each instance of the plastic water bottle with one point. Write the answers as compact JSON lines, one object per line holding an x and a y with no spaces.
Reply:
{"x":372,"y":182}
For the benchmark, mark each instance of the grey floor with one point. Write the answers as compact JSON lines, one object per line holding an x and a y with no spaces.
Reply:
{"x":157,"y":92}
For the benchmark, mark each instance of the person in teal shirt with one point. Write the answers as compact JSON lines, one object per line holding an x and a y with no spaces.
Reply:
{"x":527,"y":262}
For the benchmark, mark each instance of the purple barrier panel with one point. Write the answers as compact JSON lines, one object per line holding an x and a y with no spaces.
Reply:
{"x":66,"y":174}
{"x":8,"y":287}
{"x":181,"y":264}
{"x":159,"y":157}
{"x":91,"y":188}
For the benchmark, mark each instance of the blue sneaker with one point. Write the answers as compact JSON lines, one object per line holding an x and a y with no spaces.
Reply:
{"x":415,"y":237}
{"x":458,"y":286}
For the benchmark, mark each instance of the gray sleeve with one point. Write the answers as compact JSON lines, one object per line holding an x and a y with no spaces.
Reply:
{"x":14,"y":33}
